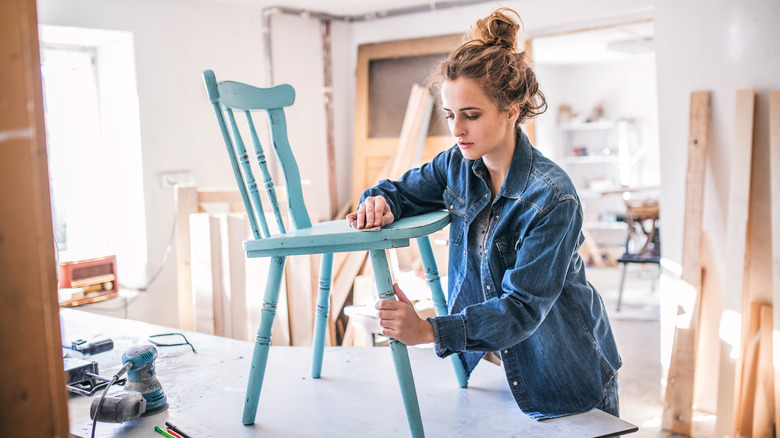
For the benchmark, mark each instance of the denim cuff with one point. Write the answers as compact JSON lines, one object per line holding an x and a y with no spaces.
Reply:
{"x":449,"y":334}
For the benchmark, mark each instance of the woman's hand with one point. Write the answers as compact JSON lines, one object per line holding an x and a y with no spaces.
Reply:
{"x":372,"y":212}
{"x":400,"y":321}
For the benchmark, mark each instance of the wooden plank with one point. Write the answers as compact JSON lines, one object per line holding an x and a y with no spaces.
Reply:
{"x":764,"y":397}
{"x":749,"y":375}
{"x":708,"y":351}
{"x":186,"y":200}
{"x":678,"y":402}
{"x":736,"y":252}
{"x":33,"y":399}
{"x":774,"y":174}
{"x":206,"y":272}
{"x":234,"y":228}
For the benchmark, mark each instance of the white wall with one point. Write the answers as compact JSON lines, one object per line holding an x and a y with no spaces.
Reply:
{"x":174,"y":42}
{"x":720,"y":46}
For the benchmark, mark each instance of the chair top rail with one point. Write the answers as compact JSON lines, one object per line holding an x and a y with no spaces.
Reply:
{"x":228,"y":96}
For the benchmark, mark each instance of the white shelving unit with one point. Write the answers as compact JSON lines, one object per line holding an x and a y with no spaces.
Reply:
{"x":599,"y":156}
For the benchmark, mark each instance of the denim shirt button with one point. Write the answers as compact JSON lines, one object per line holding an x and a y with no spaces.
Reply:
{"x":506,"y":351}
{"x":488,"y":287}
{"x":451,"y":207}
{"x":514,"y":383}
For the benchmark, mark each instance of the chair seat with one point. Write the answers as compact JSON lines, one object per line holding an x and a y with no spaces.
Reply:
{"x":338,"y":236}
{"x":639,"y":258}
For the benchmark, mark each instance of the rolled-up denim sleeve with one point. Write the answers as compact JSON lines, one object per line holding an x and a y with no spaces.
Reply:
{"x":449,"y":334}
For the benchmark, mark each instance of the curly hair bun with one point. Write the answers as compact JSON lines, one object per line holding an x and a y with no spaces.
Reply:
{"x":490,"y":57}
{"x":497,"y":29}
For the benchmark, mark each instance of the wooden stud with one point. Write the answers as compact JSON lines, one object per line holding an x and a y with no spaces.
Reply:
{"x":774,"y":173}
{"x":678,"y":402}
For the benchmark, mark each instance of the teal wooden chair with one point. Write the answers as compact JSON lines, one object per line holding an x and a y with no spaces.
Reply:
{"x":323,"y":238}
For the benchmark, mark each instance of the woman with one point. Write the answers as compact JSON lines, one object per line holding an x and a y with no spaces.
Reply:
{"x":517,"y":284}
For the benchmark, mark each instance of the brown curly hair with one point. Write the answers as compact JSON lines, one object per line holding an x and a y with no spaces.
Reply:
{"x":490,"y":57}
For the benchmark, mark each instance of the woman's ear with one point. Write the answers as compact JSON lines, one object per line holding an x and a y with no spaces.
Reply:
{"x":513,"y":113}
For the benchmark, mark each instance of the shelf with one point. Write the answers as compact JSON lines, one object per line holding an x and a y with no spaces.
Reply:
{"x":588,"y":126}
{"x":606,"y":226}
{"x":591,"y":159}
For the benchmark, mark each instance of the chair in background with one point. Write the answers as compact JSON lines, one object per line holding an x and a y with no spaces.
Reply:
{"x":643,"y":243}
{"x":323,"y":238}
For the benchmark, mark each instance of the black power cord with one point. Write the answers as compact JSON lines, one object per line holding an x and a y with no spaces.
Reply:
{"x":116,"y":377}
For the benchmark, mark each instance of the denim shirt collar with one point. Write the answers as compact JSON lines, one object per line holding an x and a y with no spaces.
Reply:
{"x":517,"y":177}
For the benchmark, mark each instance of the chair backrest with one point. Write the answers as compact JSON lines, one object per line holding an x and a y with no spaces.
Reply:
{"x":228,"y":97}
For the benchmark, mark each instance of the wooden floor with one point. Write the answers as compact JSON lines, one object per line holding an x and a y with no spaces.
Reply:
{"x":357,"y":395}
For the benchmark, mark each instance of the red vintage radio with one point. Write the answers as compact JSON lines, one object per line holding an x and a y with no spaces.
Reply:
{"x":96,"y":278}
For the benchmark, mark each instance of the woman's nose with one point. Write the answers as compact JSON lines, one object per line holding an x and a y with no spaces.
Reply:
{"x":456,"y":127}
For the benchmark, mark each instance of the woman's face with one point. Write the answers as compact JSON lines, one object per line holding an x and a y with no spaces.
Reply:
{"x":475,"y":121}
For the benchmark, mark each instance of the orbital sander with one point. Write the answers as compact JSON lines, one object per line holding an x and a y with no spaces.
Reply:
{"x":142,"y":395}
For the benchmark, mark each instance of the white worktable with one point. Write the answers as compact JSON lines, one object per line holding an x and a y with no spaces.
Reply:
{"x":357,"y":394}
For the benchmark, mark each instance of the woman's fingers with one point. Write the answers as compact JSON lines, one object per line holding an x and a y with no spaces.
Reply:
{"x":372,"y":212}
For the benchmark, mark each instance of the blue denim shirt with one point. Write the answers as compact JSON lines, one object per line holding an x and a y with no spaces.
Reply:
{"x":530,"y":300}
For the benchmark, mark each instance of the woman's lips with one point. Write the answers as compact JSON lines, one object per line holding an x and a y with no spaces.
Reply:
{"x":464,"y":144}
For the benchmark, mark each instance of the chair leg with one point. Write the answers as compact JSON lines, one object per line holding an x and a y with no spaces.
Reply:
{"x":263,"y":342}
{"x":321,"y":316}
{"x":403,"y":368}
{"x":622,"y":282}
{"x":439,"y":300}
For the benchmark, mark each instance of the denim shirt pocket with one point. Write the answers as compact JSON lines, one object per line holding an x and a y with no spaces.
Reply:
{"x":507,"y":246}
{"x":457,"y":208}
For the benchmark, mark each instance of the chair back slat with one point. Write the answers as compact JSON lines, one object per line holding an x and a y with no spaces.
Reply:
{"x":229,"y":96}
{"x":267,"y":181}
{"x":249,"y":176}
{"x":292,"y":177}
{"x":234,"y":164}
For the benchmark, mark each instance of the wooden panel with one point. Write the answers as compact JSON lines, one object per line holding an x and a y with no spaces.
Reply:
{"x":774,"y":172}
{"x":678,"y":406}
{"x":33,"y":397}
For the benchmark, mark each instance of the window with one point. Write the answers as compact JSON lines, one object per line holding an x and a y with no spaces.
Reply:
{"x":94,"y":146}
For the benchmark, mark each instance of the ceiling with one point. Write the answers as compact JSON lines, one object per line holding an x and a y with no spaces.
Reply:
{"x":357,"y":8}
{"x":607,"y":44}
{"x":595,"y":46}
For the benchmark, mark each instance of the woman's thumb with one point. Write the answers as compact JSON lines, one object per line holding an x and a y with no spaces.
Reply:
{"x":400,"y":294}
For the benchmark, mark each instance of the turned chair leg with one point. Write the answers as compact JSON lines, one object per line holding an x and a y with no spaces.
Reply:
{"x":403,"y":368}
{"x":321,"y":316}
{"x":439,"y":300}
{"x":263,"y":342}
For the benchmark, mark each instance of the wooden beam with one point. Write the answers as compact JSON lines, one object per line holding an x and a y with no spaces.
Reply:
{"x":774,"y":173}
{"x":33,"y":398}
{"x":678,"y":402}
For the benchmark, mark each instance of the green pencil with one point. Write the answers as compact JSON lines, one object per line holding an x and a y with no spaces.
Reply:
{"x":163,"y":433}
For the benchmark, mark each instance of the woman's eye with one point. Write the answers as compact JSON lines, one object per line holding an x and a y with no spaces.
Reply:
{"x":449,"y":116}
{"x":472,"y":117}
